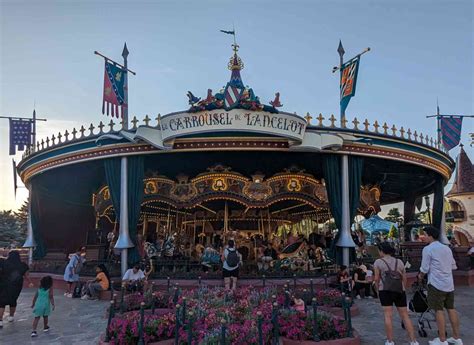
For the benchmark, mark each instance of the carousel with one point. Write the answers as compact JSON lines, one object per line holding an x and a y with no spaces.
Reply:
{"x":171,"y":191}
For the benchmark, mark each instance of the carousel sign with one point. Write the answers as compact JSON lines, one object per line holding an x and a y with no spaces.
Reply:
{"x":240,"y":120}
{"x":181,"y":124}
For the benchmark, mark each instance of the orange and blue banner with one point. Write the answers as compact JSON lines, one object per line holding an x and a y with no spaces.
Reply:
{"x":450,"y":127}
{"x":114,"y":93}
{"x":349,"y":72}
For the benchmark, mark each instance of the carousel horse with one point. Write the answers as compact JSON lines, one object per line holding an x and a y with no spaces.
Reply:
{"x":152,"y":250}
{"x":169,"y":247}
{"x":293,"y":257}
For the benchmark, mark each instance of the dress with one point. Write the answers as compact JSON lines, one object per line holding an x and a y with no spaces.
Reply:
{"x":74,"y":262}
{"x":42,"y":305}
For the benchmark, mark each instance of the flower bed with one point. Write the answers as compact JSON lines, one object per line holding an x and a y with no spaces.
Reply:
{"x":239,"y":311}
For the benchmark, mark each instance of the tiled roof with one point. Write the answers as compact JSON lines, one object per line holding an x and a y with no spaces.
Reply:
{"x":464,"y":182}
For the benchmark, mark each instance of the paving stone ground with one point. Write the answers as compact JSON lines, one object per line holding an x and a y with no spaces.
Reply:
{"x":74,"y":321}
{"x":370,"y":323}
{"x":77,"y":322}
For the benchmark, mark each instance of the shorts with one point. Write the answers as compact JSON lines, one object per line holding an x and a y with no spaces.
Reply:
{"x":231,"y":273}
{"x":438,"y":300}
{"x":389,"y":298}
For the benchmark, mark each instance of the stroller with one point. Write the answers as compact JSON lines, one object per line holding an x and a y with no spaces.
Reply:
{"x":419,"y":305}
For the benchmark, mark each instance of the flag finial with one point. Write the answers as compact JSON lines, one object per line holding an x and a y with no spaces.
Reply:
{"x":340,"y":49}
{"x":125,"y":51}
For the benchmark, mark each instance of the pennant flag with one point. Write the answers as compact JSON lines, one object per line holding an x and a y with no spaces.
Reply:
{"x":20,"y":135}
{"x":450,"y":127}
{"x":228,"y":32}
{"x":114,"y":95}
{"x":348,"y":81}
{"x":15,"y":184}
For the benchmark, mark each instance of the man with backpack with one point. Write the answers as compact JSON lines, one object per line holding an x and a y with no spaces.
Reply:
{"x":231,"y":259}
{"x":438,"y":262}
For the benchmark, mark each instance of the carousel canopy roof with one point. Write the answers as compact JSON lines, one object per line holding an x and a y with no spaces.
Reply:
{"x":375,"y":223}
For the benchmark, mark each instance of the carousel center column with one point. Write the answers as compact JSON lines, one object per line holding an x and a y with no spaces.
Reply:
{"x":124,"y":241}
{"x":345,"y":240}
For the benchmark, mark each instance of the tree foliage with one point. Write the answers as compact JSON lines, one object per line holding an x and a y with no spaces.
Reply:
{"x":393,"y":215}
{"x":13,"y":226}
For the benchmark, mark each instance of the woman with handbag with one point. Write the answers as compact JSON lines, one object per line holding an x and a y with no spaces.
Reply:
{"x":390,"y":280}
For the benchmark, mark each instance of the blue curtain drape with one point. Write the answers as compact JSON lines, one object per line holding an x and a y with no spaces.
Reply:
{"x":40,"y":250}
{"x":332,"y":176}
{"x":136,"y":173}
{"x":135,"y":177}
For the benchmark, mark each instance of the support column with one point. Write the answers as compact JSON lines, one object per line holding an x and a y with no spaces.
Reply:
{"x":124,"y":241}
{"x":442,"y":237}
{"x":345,"y":239}
{"x":408,"y":215}
{"x":30,"y":240}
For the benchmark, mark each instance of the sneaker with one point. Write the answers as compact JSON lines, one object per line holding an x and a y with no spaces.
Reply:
{"x":46,"y":329}
{"x":370,"y":297}
{"x":454,"y":341}
{"x":69,"y":295}
{"x":34,"y":334}
{"x":389,"y":342}
{"x":85,"y":297}
{"x":65,"y":294}
{"x":437,"y":341}
{"x":414,"y":343}
{"x":358,"y":297}
{"x":10,"y":318}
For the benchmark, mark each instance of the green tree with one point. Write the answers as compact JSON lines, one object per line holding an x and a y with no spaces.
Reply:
{"x":393,"y":215}
{"x":10,"y":230}
{"x":22,"y":218}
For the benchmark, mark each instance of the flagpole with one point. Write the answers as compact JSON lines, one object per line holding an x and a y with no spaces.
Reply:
{"x":33,"y":135}
{"x":125,"y":88}
{"x":341,"y":52}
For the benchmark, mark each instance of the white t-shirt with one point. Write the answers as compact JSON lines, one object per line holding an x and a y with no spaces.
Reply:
{"x":438,"y":263}
{"x":130,"y":275}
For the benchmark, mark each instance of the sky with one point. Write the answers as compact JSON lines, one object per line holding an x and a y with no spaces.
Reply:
{"x":420,"y":51}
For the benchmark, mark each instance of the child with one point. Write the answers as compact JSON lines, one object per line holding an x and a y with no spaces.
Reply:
{"x":43,"y":298}
{"x":298,"y":303}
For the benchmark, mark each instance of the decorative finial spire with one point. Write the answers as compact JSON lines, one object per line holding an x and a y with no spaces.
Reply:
{"x":125,"y":51}
{"x":340,"y":49}
{"x":235,"y":65}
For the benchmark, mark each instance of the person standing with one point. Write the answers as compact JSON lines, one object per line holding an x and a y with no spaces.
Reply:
{"x":42,"y":301}
{"x":391,"y":280}
{"x":231,"y":262}
{"x":71,"y":272}
{"x":13,"y":271}
{"x":438,"y":263}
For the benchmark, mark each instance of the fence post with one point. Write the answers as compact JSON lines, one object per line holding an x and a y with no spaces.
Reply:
{"x":222,"y":332}
{"x":111,"y":316}
{"x":294,"y":281}
{"x":190,"y":328}
{"x":122,"y":293}
{"x":287,"y":299}
{"x":315,"y":320}
{"x":169,"y":283}
{"x":176,"y":331}
{"x":199,"y":280}
{"x":141,"y":324}
{"x":311,"y":287}
{"x":176,"y":295}
{"x":259,"y":327}
{"x":263,"y":280}
{"x":276,"y":330}
{"x":153,"y":302}
{"x":349,"y":317}
{"x":325,"y":280}
{"x":184,"y":310}
{"x":111,"y":285}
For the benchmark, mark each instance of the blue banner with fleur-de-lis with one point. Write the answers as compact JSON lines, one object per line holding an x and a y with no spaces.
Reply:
{"x":114,"y":93}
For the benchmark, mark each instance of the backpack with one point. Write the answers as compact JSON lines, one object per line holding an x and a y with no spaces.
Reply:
{"x":232,"y":259}
{"x":77,"y":293}
{"x":392,"y":279}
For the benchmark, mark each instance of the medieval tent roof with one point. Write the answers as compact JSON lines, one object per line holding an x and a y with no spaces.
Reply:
{"x":464,"y":181}
{"x":375,"y":223}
